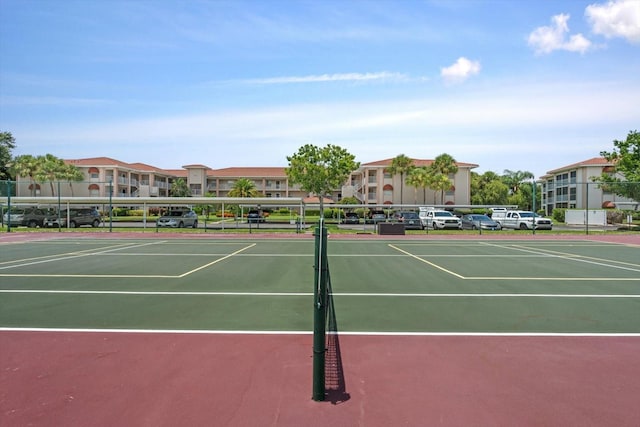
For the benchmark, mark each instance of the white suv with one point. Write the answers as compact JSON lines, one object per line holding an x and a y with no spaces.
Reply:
{"x":439,"y":219}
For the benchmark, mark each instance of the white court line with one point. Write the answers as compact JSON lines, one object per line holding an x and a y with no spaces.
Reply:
{"x":426,"y":262}
{"x":69,"y":255}
{"x":337,"y":294}
{"x":351,"y":333}
{"x":216,"y":261}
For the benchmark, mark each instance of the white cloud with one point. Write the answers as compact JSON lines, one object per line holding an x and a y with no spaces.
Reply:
{"x":616,"y":19}
{"x":549,"y":38}
{"x":461,"y":70}
{"x":350,"y":77}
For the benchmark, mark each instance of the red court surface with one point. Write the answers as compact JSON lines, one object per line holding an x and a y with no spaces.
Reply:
{"x":153,"y":379}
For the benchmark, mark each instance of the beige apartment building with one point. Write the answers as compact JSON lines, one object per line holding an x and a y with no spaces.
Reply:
{"x":371,"y":184}
{"x":572,"y":187}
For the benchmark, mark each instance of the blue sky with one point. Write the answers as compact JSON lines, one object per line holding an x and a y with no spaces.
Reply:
{"x":518,"y":85}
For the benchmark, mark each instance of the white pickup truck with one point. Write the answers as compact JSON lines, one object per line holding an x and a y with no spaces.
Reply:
{"x":521,"y":220}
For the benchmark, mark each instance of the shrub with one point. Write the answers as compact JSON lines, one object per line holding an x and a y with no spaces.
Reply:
{"x":558,"y":215}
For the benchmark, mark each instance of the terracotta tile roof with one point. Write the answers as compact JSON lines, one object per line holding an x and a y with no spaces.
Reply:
{"x":108,"y":161}
{"x":248,"y":172}
{"x":416,"y":162}
{"x":97,"y":161}
{"x":178,"y":173}
{"x":595,"y":161}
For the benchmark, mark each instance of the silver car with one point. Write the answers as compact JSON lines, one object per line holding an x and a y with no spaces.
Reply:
{"x":179,"y":219}
{"x":476,"y":221}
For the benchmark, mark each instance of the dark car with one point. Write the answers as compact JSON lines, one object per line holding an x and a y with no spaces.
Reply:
{"x":76,"y":217}
{"x":376,"y":216}
{"x":411,"y":220}
{"x":178,"y":219}
{"x":351,"y":218}
{"x":477,"y":221}
{"x":27,"y":216}
{"x":255,"y":217}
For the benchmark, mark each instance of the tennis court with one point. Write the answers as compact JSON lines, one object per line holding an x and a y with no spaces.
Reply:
{"x":567,"y":310}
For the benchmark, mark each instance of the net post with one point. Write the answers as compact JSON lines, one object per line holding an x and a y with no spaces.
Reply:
{"x":319,"y":311}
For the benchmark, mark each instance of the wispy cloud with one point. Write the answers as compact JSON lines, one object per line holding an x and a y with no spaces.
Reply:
{"x":546,"y":39}
{"x":616,"y":19}
{"x":461,"y":70}
{"x":53,"y":101}
{"x":327,"y":78}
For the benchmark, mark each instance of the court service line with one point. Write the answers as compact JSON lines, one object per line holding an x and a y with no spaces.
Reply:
{"x":217,"y":261}
{"x":61,"y":257}
{"x":345,"y":333}
{"x":588,"y":259}
{"x":426,"y":262}
{"x":570,"y":257}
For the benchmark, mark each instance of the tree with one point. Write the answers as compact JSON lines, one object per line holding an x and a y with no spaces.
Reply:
{"x":71,"y":174}
{"x":439,"y":182}
{"x":400,"y":165}
{"x":50,"y":169}
{"x":513,"y":179}
{"x":320,"y":170}
{"x":442,"y":167}
{"x":418,"y":177}
{"x":243,"y":187}
{"x":7,"y":143}
{"x":26,"y":166}
{"x":179,"y":188}
{"x":626,"y":159}
{"x":488,"y":189}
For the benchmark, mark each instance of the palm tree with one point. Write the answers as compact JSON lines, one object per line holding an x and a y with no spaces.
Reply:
{"x":50,"y":169}
{"x":418,"y":177}
{"x":26,"y":166}
{"x":179,"y":188}
{"x":442,"y":167}
{"x":514,"y":178}
{"x":244,"y":187}
{"x":439,"y":182}
{"x":71,"y":174}
{"x":400,"y":165}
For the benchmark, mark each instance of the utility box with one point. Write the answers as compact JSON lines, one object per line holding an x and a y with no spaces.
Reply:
{"x":390,"y":228}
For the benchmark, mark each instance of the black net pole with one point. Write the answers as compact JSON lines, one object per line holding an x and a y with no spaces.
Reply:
{"x":319,"y":312}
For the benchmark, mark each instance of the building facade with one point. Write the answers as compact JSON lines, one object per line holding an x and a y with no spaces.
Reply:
{"x":572,"y":187}
{"x":371,"y":184}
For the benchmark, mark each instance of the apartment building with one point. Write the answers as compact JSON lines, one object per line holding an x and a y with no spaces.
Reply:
{"x":371,"y":183}
{"x":572,"y":187}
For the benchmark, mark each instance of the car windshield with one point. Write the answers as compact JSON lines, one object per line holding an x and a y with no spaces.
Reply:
{"x":176,"y":213}
{"x":480,"y":218}
{"x":443,"y":214}
{"x":526,"y":214}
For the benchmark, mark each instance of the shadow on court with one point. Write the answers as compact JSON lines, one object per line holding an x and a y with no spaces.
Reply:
{"x":335,"y":384}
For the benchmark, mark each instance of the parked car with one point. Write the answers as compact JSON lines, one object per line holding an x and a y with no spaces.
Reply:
{"x":439,"y":219}
{"x":178,"y":219}
{"x":351,"y":218}
{"x":477,"y":221}
{"x":376,"y":216}
{"x":27,"y":216}
{"x":411,"y":220}
{"x":255,"y":216}
{"x":76,"y":217}
{"x":521,"y":220}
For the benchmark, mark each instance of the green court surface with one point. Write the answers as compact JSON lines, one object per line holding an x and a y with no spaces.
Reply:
{"x":258,"y":286}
